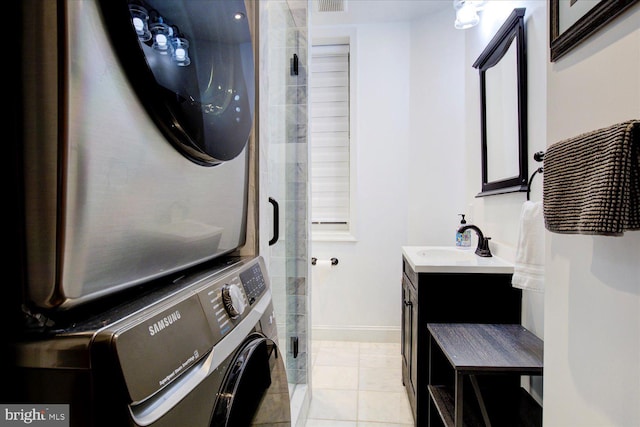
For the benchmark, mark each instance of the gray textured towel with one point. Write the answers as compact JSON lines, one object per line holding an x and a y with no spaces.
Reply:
{"x":592,"y":182}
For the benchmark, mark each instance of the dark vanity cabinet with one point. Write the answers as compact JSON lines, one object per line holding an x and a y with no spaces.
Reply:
{"x":410,"y":340}
{"x":446,"y":298}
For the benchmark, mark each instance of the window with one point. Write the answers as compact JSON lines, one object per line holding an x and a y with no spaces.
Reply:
{"x":331,"y":175}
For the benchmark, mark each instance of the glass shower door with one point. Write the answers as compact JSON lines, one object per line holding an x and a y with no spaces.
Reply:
{"x":284,"y":132}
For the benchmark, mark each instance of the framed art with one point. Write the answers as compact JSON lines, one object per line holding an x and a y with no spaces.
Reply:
{"x":573,"y":21}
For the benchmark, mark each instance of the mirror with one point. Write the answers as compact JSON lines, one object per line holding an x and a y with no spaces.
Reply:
{"x":503,"y":109}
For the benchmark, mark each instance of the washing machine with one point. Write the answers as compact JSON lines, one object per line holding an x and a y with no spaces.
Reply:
{"x":197,"y":352}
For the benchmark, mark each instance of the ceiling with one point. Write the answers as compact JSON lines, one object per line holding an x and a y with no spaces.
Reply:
{"x":377,"y":11}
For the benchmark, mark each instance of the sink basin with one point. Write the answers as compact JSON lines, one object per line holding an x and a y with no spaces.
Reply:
{"x":451,"y":259}
{"x":446,"y":254}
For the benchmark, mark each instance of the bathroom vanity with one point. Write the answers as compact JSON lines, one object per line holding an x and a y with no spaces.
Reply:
{"x":448,"y":285}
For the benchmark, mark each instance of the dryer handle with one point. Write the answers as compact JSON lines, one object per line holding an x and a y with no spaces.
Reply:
{"x":276,"y":221}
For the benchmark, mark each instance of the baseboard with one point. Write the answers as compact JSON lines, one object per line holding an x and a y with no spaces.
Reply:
{"x":356,"y":333}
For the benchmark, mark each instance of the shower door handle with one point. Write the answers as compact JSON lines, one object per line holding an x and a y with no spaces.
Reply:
{"x":294,"y":346}
{"x":276,"y":221}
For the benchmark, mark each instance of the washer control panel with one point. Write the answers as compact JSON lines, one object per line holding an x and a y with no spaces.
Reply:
{"x":170,"y":336}
{"x":226,"y":301}
{"x":253,"y":281}
{"x":159,"y":348}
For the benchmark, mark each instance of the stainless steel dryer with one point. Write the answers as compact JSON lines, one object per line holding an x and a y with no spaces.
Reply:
{"x":199,"y":352}
{"x":134,"y":151}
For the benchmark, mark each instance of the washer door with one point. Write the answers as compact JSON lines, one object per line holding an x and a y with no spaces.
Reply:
{"x":255,"y":389}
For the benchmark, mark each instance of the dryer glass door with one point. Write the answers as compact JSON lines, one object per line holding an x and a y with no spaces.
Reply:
{"x":191,"y":63}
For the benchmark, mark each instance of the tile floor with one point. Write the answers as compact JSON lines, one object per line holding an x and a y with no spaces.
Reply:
{"x":357,"y":384}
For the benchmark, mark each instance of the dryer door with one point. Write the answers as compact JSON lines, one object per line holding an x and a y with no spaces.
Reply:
{"x":191,"y":64}
{"x":255,"y":389}
{"x":108,"y":202}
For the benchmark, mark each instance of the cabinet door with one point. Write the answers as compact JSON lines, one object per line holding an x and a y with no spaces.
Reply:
{"x":413,"y":300}
{"x":409,"y":340}
{"x":406,"y":329}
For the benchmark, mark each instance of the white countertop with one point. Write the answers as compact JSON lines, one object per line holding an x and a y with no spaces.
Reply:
{"x":450,"y":259}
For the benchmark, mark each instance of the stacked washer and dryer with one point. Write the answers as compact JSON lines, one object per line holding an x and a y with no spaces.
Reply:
{"x":141,"y":300}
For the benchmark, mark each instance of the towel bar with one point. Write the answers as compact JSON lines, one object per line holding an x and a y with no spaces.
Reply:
{"x":538,"y":157}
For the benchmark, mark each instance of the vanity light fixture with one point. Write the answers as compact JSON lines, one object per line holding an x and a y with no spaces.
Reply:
{"x":467,"y":13}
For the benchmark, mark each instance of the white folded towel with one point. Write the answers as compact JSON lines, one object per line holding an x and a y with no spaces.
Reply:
{"x":528,"y":271}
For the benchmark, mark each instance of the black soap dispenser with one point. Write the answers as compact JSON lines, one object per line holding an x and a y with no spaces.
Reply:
{"x":463,"y":240}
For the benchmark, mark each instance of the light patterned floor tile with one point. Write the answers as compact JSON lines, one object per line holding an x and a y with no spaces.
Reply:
{"x":331,"y":423}
{"x":338,"y":344}
{"x":335,"y":377}
{"x":357,"y":385}
{"x":332,"y":356}
{"x":389,"y":407}
{"x":374,"y":424}
{"x":387,"y":349}
{"x":380,"y":361}
{"x":334,"y":405}
{"x":380,"y":379}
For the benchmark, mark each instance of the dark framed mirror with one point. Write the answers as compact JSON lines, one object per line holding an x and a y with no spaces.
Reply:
{"x":503,"y":108}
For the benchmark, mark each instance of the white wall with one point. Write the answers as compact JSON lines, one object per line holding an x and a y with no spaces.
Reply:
{"x":351,"y":300}
{"x":437,"y":167}
{"x":592,"y":301}
{"x":589,"y":315}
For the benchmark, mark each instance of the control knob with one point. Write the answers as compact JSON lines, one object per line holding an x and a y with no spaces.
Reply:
{"x":233,"y":300}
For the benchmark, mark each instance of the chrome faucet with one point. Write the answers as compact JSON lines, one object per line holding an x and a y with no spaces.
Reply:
{"x":483,"y":242}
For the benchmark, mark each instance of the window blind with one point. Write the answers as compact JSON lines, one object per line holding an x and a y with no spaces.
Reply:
{"x":330,"y":163}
